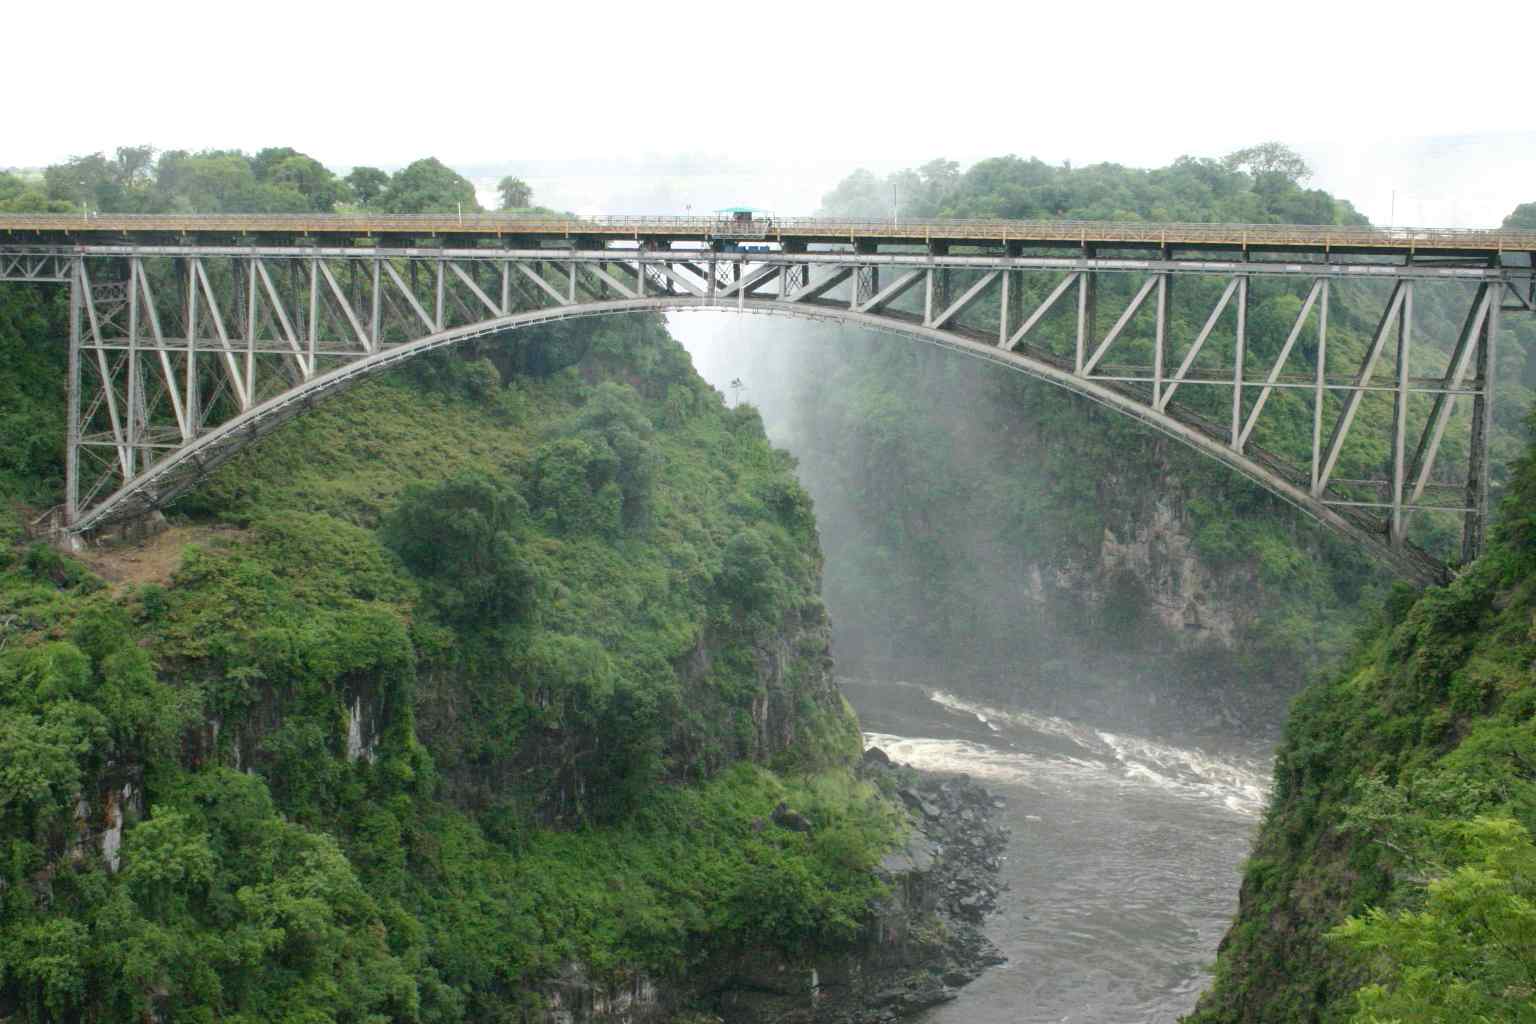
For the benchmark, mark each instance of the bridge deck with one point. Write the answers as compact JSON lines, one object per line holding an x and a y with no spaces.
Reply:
{"x":60,"y":229}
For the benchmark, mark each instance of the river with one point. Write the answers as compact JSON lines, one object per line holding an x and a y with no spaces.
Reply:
{"x":1123,"y":866}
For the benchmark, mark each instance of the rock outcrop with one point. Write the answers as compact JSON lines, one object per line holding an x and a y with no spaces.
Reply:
{"x":917,"y":948}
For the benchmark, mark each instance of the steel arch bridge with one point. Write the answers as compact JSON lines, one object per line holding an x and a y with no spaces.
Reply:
{"x":190,"y":337}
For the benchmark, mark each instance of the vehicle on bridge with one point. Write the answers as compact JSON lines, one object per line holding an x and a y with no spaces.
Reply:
{"x":737,"y":223}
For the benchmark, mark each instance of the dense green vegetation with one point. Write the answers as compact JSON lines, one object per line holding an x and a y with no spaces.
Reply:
{"x":931,"y":471}
{"x":137,"y":179}
{"x":1393,"y":875}
{"x":491,"y":666}
{"x":1259,"y":185}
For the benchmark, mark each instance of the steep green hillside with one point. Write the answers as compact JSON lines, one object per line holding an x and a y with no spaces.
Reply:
{"x":489,"y":668}
{"x":1405,"y":795}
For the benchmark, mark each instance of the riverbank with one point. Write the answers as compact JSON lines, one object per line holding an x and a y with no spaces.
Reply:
{"x":916,"y":949}
{"x":925,"y":941}
{"x":1120,"y":864}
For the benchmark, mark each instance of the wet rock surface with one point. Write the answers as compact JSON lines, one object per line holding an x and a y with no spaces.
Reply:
{"x":947,"y":875}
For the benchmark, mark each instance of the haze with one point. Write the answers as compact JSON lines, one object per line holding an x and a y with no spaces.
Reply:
{"x":1397,"y":111}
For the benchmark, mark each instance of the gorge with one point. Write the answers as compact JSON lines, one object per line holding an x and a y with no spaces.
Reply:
{"x":507,"y":681}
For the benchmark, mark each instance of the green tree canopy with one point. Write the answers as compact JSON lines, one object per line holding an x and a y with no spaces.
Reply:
{"x":1269,"y":158}
{"x":119,"y":183}
{"x":24,"y":195}
{"x":289,"y":169}
{"x":368,"y":184}
{"x":428,"y":186}
{"x":462,"y":538}
{"x":1523,"y":217}
{"x":1259,"y":184}
{"x":515,"y":193}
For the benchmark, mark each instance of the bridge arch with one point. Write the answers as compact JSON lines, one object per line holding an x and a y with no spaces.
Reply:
{"x":186,"y":466}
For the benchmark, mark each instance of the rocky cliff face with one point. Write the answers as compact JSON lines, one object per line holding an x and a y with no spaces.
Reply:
{"x":1190,"y":601}
{"x":793,"y":706}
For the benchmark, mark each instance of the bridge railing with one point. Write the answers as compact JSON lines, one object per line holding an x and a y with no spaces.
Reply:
{"x":1081,"y":232}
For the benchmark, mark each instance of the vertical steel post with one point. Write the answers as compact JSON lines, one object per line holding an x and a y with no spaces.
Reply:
{"x":506,"y":287}
{"x":1319,"y":387}
{"x":439,"y":318}
{"x":135,"y":392}
{"x":937,"y":298}
{"x":865,"y":286}
{"x":1400,"y":415}
{"x":72,"y":448}
{"x":1239,"y":352}
{"x":250,"y":329}
{"x":1160,"y":340}
{"x":314,"y":310}
{"x":1087,"y":313}
{"x":1004,"y":307}
{"x":194,"y":402}
{"x":1475,"y":526}
{"x":376,"y":306}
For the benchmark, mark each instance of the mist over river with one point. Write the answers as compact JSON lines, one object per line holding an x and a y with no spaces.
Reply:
{"x":1124,"y":862}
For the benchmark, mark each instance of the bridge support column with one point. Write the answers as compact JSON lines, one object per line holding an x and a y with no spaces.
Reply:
{"x":1011,"y":305}
{"x":72,"y":446}
{"x":1474,"y":528}
{"x":1087,"y":310}
{"x":936,"y":298}
{"x":1397,"y":525}
{"x":134,"y":424}
{"x":866,"y":285}
{"x":791,"y":280}
{"x":439,"y":295}
{"x":1160,"y":337}
{"x":1239,"y":357}
{"x":1320,"y":385}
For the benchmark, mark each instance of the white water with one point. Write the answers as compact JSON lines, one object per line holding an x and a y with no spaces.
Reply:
{"x":1240,"y":783}
{"x":1122,"y":866}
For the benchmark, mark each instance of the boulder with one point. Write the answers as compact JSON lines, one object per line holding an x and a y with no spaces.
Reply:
{"x":793,"y":820}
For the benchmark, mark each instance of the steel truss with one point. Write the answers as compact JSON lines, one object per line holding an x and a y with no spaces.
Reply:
{"x":180,"y":355}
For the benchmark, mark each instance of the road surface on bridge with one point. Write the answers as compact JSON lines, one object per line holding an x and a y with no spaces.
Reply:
{"x":791,"y":232}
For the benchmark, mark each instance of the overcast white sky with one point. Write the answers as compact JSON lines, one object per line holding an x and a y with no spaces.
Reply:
{"x":1382,"y":97}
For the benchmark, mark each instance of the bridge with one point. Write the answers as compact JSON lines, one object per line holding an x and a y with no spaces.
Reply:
{"x":192,"y":336}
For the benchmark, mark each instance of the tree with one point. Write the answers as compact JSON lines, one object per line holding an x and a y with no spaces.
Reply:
{"x":84,"y":179}
{"x":460,"y":538}
{"x":288,"y":168}
{"x":858,"y":195}
{"x":368,"y":184}
{"x":135,"y":167}
{"x":22,"y":195}
{"x":1523,"y":217}
{"x":221,"y":181}
{"x":1470,"y":953}
{"x":1270,"y":158}
{"x":428,"y":186}
{"x":515,"y":193}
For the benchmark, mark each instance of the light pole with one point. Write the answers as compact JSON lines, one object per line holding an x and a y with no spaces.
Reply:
{"x":85,"y":214}
{"x":895,"y":210}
